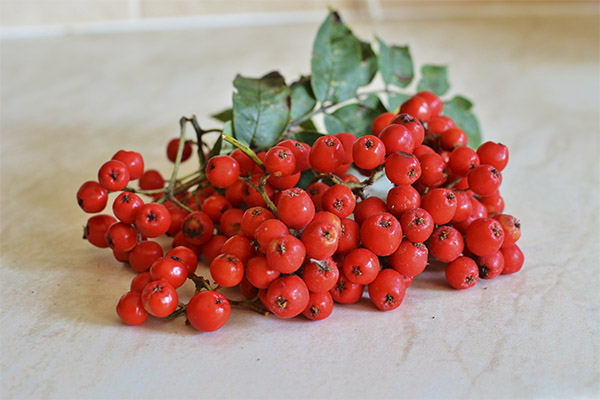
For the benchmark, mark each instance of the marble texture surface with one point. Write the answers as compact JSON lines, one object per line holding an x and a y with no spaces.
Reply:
{"x":68,"y":103}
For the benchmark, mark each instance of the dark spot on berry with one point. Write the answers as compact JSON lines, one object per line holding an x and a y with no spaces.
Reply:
{"x":281,"y":249}
{"x":157,"y":289}
{"x":369,"y":144}
{"x":126,"y":198}
{"x":114,"y":175}
{"x":314,"y":311}
{"x":175,"y":258}
{"x":483,"y":271}
{"x":451,"y":196}
{"x":86,"y":231}
{"x":340,"y":286}
{"x":444,"y":234}
{"x":356,"y":270}
{"x":384,"y":223}
{"x":110,"y":242}
{"x":218,"y":301}
{"x":192,"y":228}
{"x":338,"y":204}
{"x":80,"y":202}
{"x":152,"y":216}
{"x":469,"y":279}
{"x":389,"y":299}
{"x":256,"y":211}
{"x":281,"y":302}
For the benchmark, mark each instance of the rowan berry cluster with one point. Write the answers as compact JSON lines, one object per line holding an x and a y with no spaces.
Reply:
{"x":293,"y":250}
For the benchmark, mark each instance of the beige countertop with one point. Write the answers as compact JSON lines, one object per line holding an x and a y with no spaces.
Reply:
{"x":68,"y":103}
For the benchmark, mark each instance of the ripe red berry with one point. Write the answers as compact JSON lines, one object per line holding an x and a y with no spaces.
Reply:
{"x":92,"y":197}
{"x":315,"y":191}
{"x":484,"y":236}
{"x":339,"y":200}
{"x":401,"y":199}
{"x":269,"y":230}
{"x":361,"y":266}
{"x":222,"y":171}
{"x":96,"y":228}
{"x":170,"y":269}
{"x":490,"y":266}
{"x":402,"y":168}
{"x":186,"y":255}
{"x":464,"y":207}
{"x":159,"y":298}
{"x":214,"y":206}
{"x":453,"y":138}
{"x":197,"y":228}
{"x":417,"y":225}
{"x":348,"y":141}
{"x":435,"y":103}
{"x":144,"y":254}
{"x":410,"y":258}
{"x":484,"y":179}
{"x":462,"y":160}
{"x":151,"y":180}
{"x":284,"y":182}
{"x":227,"y":270}
{"x":252,"y":218}
{"x":433,"y":170}
{"x":321,"y":239}
{"x":370,"y":206}
{"x":177,"y":217}
{"x":139,"y":282}
{"x":381,"y":122}
{"x":320,"y":306}
{"x":126,"y":206}
{"x":133,"y":161}
{"x":239,"y":246}
{"x":414,"y":126}
{"x":440,"y":204}
{"x":173,"y":148}
{"x":295,"y":208}
{"x":446,"y":243}
{"x":246,"y":164}
{"x":253,"y":198}
{"x":121,"y":237}
{"x":345,"y":291}
{"x":320,"y":275}
{"x":513,"y":259}
{"x":326,"y":154}
{"x":285,"y":254}
{"x":280,"y":161}
{"x":438,"y":125}
{"x":462,"y":273}
{"x":287,"y":296}
{"x":113,"y":175}
{"x":381,"y":234}
{"x":153,"y":220}
{"x":231,"y":222}
{"x":349,"y":236}
{"x":212,"y":248}
{"x":300,"y":153}
{"x":130,"y":309}
{"x":418,"y":107}
{"x":259,"y":273}
{"x":397,"y":138}
{"x":208,"y":311}
{"x":368,"y":152}
{"x":387,"y":290}
{"x":511,"y":227}
{"x":494,"y":154}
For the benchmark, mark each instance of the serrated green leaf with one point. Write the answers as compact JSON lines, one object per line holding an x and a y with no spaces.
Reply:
{"x":303,"y":98}
{"x":434,"y":78}
{"x":459,"y":109}
{"x":395,"y":100}
{"x":307,"y":136}
{"x":368,"y":66}
{"x":223,"y":116}
{"x":336,"y":61}
{"x":356,"y":118}
{"x":261,"y":109}
{"x":395,"y":64}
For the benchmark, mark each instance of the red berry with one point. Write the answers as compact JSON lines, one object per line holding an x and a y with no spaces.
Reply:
{"x":144,"y":254}
{"x":484,"y":179}
{"x":446,"y":243}
{"x":285,"y":254}
{"x":320,"y":306}
{"x":433,"y":170}
{"x":253,"y":198}
{"x":321,"y":239}
{"x":133,"y":161}
{"x":269,"y":230}
{"x":361,"y":266}
{"x":348,"y":141}
{"x":494,"y":154}
{"x":368,"y":152}
{"x":121,"y":237}
{"x":462,"y":273}
{"x":159,"y":298}
{"x":349,"y":236}
{"x":381,"y":122}
{"x":417,"y":225}
{"x":453,"y":138}
{"x":227,"y":270}
{"x":326,"y":154}
{"x":126,"y":206}
{"x":381,"y":234}
{"x":387,"y":290}
{"x":284,"y":182}
{"x":130,"y":309}
{"x":280,"y":161}
{"x":464,"y":207}
{"x":494,"y":203}
{"x":239,"y":246}
{"x":462,"y":160}
{"x":484,"y":236}
{"x":315,"y":191}
{"x":368,"y":207}
{"x":92,"y":197}
{"x":151,"y":180}
{"x":246,"y":164}
{"x":346,"y":292}
{"x":440,"y":204}
{"x":418,"y":107}
{"x":208,"y":311}
{"x":513,"y":259}
{"x":252,"y":218}
{"x":287,"y":296}
{"x":212,"y":248}
{"x":214,"y":206}
{"x":490,"y":266}
{"x":113,"y":175}
{"x":153,"y":220}
{"x":222,"y":171}
{"x":139,"y":282}
{"x":511,"y":227}
{"x":435,"y":103}
{"x":295,"y":208}
{"x":186,"y":255}
{"x":173,"y":148}
{"x":177,"y":217}
{"x":438,"y":125}
{"x":402,"y":198}
{"x":197,"y":228}
{"x":397,"y":138}
{"x":96,"y":228}
{"x":300,"y":153}
{"x":339,"y":200}
{"x":402,"y":168}
{"x":320,"y":276}
{"x":414,"y":126}
{"x":259,"y":273}
{"x":410,"y":259}
{"x":170,"y":269}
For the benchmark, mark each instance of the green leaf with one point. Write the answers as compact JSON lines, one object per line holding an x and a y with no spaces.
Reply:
{"x":306,"y":177}
{"x":336,"y":61}
{"x":368,"y":66}
{"x":223,"y":116}
{"x":395,"y":64}
{"x":395,"y":100}
{"x":303,"y":99}
{"x":261,"y":109}
{"x":224,"y":147}
{"x":307,"y":136}
{"x":308,"y":125}
{"x":356,"y":118}
{"x":434,"y":79}
{"x":216,"y":149}
{"x":459,"y":109}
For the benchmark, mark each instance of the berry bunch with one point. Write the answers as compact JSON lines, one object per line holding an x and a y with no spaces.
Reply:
{"x":295,"y":248}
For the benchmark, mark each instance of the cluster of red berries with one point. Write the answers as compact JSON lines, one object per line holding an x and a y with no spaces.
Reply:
{"x":297,"y":251}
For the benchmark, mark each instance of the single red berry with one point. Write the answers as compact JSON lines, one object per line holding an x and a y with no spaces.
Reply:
{"x":320,"y":275}
{"x":381,"y":122}
{"x":180,"y":240}
{"x":177,"y":217}
{"x":462,"y":273}
{"x":208,"y":311}
{"x":231,"y":222}
{"x":170,"y":269}
{"x":126,"y":206}
{"x":96,"y":228}
{"x":435,"y":103}
{"x":252,"y":198}
{"x":246,"y":164}
{"x":484,"y":236}
{"x":139,"y":282}
{"x":464,"y":207}
{"x":397,"y":138}
{"x":173,"y":148}
{"x":339,"y":200}
{"x":417,"y":225}
{"x":235,"y":193}
{"x":247,"y":289}
{"x":421,"y":150}
{"x":410,"y":259}
{"x":212,"y":248}
{"x":122,"y":256}
{"x":151,"y":180}
{"x":361,"y":266}
{"x":159,"y":298}
{"x":144,"y":254}
{"x":130,"y":309}
{"x":513,"y":259}
{"x":345,"y":291}
{"x":453,"y":138}
{"x":259,"y":273}
{"x":239,"y":246}
{"x":462,"y":160}
{"x":490,"y":266}
{"x":113,"y":175}
{"x":417,"y":107}
{"x":439,"y":124}
{"x":433,"y":170}
{"x":269,"y":230}
{"x":381,"y":234}
{"x":92,"y":197}
{"x":197,"y":228}
{"x":370,"y":206}
{"x":387,"y":290}
{"x":287,"y":296}
{"x":280,"y":161}
{"x":320,"y":306}
{"x":214,"y":206}
{"x":252,"y":218}
{"x":440,"y":204}
{"x":295,"y":208}
{"x":326,"y":154}
{"x":300,"y":153}
{"x":284,"y":182}
{"x":321,"y":239}
{"x":494,"y":203}
{"x":153,"y":220}
{"x":402,"y":168}
{"x":484,"y":179}
{"x":315,"y":191}
{"x":186,"y":255}
{"x":368,"y":152}
{"x":478,"y":210}
{"x":414,"y":126}
{"x":227,"y":270}
{"x":401,"y":199}
{"x":511,"y":227}
{"x":222,"y":171}
{"x":285,"y":254}
{"x":494,"y":154}
{"x":121,"y":237}
{"x":349,"y":236}
{"x":133,"y":161}
{"x":446,"y":243}
{"x":348,"y":141}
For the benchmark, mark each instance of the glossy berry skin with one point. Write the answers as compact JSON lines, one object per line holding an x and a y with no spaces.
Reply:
{"x":414,"y":126}
{"x":300,"y":153}
{"x":387,"y":290}
{"x":231,"y":221}
{"x":438,"y":125}
{"x":227,"y":270}
{"x":511,"y":227}
{"x":252,"y":198}
{"x":484,"y":180}
{"x":410,"y":259}
{"x":339,"y":200}
{"x":212,"y":248}
{"x":490,"y":266}
{"x":464,"y":207}
{"x":280,"y":161}
{"x":159,"y":298}
{"x":381,"y":122}
{"x":139,"y":282}
{"x":320,"y":275}
{"x":121,"y":237}
{"x":321,"y":239}
{"x":177,"y":217}
{"x":402,"y":168}
{"x":484,"y":236}
{"x":397,"y":138}
{"x":286,"y":254}
{"x":494,"y":203}
{"x":402,"y":198}
{"x":173,"y":148}
{"x":446,"y":243}
{"x":345,"y":291}
{"x":440,"y":204}
{"x":368,"y":152}
{"x":417,"y":225}
{"x":208,"y":311}
{"x":113,"y":175}
{"x":133,"y":161}
{"x":239,"y":246}
{"x":92,"y":197}
{"x":151,"y":180}
{"x":494,"y":154}
{"x":287,"y":296}
{"x":186,"y":255}
{"x":368,"y":207}
{"x":418,"y":107}
{"x":462,"y":160}
{"x":269,"y":230}
{"x":170,"y":269}
{"x":320,"y":306}
{"x":284,"y":182}
{"x":295,"y":208}
{"x":453,"y":138}
{"x":513,"y":259}
{"x":96,"y":228}
{"x":214,"y":206}
{"x":144,"y":254}
{"x":348,"y":141}
{"x":235,"y":193}
{"x":361,"y":266}
{"x":222,"y":171}
{"x":252,"y":218}
{"x":259,"y":273}
{"x":126,"y":206}
{"x":246,"y":163}
{"x":435,"y":103}
{"x":462,"y":273}
{"x":197,"y":228}
{"x":326,"y":154}
{"x":381,"y":234}
{"x":153,"y":220}
{"x":130,"y":309}
{"x":180,"y":240}
{"x":315,"y":191}
{"x":433,"y":170}
{"x":349,"y":236}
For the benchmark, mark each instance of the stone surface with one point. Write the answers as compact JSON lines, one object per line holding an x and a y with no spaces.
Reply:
{"x":69,"y":103}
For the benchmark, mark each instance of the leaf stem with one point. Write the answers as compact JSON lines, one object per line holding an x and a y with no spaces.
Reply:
{"x":245,"y":149}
